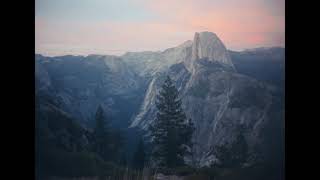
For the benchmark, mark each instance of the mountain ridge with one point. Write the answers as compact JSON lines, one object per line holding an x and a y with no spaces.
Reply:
{"x":220,"y":90}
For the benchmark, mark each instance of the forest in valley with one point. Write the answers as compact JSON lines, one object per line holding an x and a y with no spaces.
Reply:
{"x":65,"y":149}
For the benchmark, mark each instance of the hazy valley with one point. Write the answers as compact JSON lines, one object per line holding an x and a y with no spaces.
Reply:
{"x":221,"y":90}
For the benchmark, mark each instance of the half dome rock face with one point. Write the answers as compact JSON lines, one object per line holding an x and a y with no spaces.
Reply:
{"x":217,"y":95}
{"x":208,"y":45}
{"x":216,"y":98}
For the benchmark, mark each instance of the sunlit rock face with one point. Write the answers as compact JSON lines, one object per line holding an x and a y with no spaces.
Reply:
{"x":150,"y":63}
{"x":218,"y":93}
{"x":207,"y":45}
{"x":215,"y":97}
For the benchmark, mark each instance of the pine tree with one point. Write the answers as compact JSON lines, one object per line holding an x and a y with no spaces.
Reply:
{"x":171,"y":132}
{"x":101,"y":134}
{"x":139,"y":156}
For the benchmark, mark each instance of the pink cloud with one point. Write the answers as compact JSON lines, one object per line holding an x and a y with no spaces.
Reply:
{"x":239,"y":24}
{"x":233,"y":21}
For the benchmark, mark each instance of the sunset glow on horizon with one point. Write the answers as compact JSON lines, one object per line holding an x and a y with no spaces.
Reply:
{"x":82,"y":27}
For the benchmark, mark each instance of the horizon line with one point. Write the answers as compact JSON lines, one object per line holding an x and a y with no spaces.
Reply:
{"x":142,"y":51}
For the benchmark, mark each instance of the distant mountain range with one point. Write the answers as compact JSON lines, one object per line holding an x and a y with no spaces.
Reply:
{"x":220,"y":90}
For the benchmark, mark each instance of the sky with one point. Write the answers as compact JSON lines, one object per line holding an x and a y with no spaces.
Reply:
{"x":82,"y":27}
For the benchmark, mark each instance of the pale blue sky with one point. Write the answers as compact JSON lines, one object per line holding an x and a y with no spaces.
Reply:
{"x":92,"y":10}
{"x":117,"y":26}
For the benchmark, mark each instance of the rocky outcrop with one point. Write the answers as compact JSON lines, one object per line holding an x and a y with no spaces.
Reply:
{"x":150,"y":63}
{"x":215,"y":97}
{"x":207,"y":45}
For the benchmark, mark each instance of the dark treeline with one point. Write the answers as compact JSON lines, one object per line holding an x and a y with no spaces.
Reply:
{"x":64,"y":148}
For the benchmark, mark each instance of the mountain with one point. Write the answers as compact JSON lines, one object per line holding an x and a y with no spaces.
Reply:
{"x":208,"y":45}
{"x":215,"y":96}
{"x":220,"y":90}
{"x":149,"y":63}
{"x":80,"y":84}
{"x":264,"y":64}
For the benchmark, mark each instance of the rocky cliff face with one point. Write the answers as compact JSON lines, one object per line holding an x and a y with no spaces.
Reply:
{"x":80,"y":84}
{"x":219,"y":93}
{"x":148,"y":64}
{"x":207,"y":45}
{"x":215,"y":97}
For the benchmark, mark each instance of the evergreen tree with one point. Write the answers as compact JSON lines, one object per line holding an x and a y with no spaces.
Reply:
{"x":139,"y":156}
{"x":101,"y":134}
{"x":171,"y":132}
